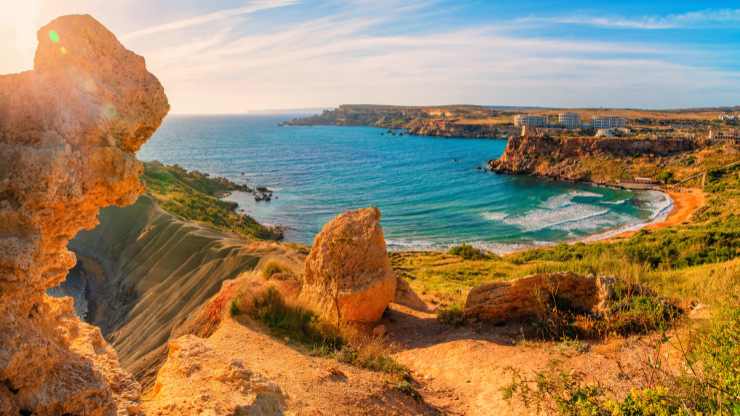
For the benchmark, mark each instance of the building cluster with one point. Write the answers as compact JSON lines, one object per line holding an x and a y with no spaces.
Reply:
{"x":730,"y":118}
{"x":730,"y":135}
{"x":568,"y":120}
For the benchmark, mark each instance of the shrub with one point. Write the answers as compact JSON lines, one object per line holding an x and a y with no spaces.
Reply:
{"x":451,"y":315}
{"x":322,"y":338}
{"x":468,"y":252}
{"x":294,"y":322}
{"x":273,"y":268}
{"x":665,"y":177}
{"x":710,"y":383}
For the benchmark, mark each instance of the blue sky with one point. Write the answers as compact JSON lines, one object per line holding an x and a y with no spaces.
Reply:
{"x":231,"y":56}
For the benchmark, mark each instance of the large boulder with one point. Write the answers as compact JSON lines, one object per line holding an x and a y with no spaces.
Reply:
{"x":529,"y":297}
{"x":69,"y":131}
{"x":348,"y":277}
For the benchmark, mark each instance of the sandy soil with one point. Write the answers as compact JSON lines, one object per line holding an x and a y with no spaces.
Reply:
{"x":312,"y":386}
{"x":462,"y":371}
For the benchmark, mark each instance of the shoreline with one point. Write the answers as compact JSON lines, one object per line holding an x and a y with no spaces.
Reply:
{"x":681,"y":206}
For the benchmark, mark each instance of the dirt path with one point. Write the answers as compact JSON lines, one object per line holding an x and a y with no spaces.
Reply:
{"x":310,"y":385}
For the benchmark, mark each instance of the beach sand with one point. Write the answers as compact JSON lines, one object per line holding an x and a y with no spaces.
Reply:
{"x":685,"y":202}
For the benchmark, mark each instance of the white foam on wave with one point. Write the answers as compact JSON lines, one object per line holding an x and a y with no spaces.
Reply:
{"x":494,"y":216}
{"x":620,"y":202}
{"x":566,"y":199}
{"x":543,"y":218}
{"x":659,"y":203}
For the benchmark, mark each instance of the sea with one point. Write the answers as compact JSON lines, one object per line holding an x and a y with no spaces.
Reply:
{"x":432,"y":192}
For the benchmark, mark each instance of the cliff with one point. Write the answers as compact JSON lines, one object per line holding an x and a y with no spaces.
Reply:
{"x":68,"y":133}
{"x":603,"y":160}
{"x":147,"y":271}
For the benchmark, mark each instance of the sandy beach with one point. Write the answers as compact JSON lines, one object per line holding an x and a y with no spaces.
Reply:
{"x":685,"y":202}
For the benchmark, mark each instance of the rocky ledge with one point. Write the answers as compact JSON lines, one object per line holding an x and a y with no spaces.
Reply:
{"x":69,"y":131}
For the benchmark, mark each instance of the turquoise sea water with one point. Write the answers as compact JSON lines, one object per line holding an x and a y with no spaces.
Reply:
{"x":429,"y":189}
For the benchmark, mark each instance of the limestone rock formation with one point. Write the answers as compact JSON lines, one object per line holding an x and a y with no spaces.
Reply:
{"x":196,"y":380}
{"x":68,"y":133}
{"x":348,"y":276}
{"x":527,"y":297}
{"x":561,"y":158}
{"x":406,"y":296}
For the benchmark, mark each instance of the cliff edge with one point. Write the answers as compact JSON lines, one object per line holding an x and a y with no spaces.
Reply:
{"x":68,"y":133}
{"x":582,"y":158}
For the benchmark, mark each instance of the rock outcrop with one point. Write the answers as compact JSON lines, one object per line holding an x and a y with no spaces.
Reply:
{"x":562,"y":158}
{"x":451,"y":128}
{"x":529,"y":296}
{"x":68,"y":133}
{"x":197,"y":380}
{"x":348,"y":277}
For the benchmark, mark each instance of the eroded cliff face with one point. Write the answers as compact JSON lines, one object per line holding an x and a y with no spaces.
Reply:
{"x":68,"y":133}
{"x":562,"y":158}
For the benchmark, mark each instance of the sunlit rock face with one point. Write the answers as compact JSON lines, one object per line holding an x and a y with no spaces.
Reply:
{"x":348,"y":277}
{"x":68,"y":133}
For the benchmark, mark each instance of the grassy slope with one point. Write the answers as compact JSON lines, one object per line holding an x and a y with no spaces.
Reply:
{"x":196,"y":196}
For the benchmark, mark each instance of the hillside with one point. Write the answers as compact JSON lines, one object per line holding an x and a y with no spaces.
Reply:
{"x":612,"y":160}
{"x":195,"y":196}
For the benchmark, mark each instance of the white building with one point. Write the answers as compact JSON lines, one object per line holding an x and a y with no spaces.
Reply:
{"x":530,"y":121}
{"x":728,"y":117}
{"x":609,"y":122}
{"x":569,"y":120}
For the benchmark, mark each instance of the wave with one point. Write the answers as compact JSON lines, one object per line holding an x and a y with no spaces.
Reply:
{"x":620,"y":202}
{"x":540,"y":219}
{"x":494,"y":216}
{"x":566,"y":199}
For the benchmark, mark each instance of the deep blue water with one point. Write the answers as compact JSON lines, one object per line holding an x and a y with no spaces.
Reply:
{"x":429,"y":191}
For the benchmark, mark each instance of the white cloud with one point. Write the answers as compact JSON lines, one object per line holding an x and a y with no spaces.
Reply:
{"x":253,"y":7}
{"x":703,"y":18}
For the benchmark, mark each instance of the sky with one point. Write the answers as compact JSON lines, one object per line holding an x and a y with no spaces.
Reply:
{"x":236,"y":56}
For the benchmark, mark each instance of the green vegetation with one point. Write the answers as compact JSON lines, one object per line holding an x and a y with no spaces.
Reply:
{"x":195,"y":196}
{"x":452,"y":315}
{"x":274,"y":269}
{"x":296,"y":323}
{"x":708,"y":384}
{"x":320,"y":337}
{"x":468,"y":252}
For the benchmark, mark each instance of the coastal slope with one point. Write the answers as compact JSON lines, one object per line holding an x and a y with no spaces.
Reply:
{"x":153,"y":271}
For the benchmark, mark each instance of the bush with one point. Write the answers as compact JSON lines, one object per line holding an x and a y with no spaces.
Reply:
{"x":452,"y":315}
{"x":468,"y":252}
{"x":322,"y":338}
{"x":665,"y":177}
{"x":273,"y":268}
{"x":294,"y":322}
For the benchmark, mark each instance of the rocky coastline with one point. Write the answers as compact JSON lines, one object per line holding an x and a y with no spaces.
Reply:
{"x":452,"y":121}
{"x":578,"y":159}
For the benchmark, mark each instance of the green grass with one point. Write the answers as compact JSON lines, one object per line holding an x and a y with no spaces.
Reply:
{"x":319,"y":337}
{"x":195,"y":196}
{"x":708,"y":382}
